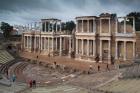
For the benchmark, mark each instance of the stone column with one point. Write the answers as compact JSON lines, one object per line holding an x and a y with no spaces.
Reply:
{"x":133,"y":25}
{"x":109,"y":50}
{"x":124,"y":25}
{"x":116,"y":50}
{"x":94,"y":48}
{"x":134,"y":45}
{"x":82,"y":26}
{"x":56,"y":27}
{"x":60,"y":27}
{"x":44,"y":43}
{"x":109,"y":27}
{"x":45,"y":27}
{"x":70,"y":46}
{"x":87,"y":47}
{"x":25,"y":41}
{"x":116,"y":25}
{"x":76,"y":25}
{"x":100,"y":26}
{"x":100,"y":50}
{"x":124,"y":50}
{"x":82,"y":46}
{"x":52,"y":27}
{"x":56,"y":44}
{"x":76,"y":46}
{"x":48,"y":27}
{"x":48,"y":44}
{"x":94,"y":25}
{"x":52,"y":44}
{"x":34,"y":43}
{"x":88,"y":26}
{"x":41,"y":43}
{"x":60,"y":51}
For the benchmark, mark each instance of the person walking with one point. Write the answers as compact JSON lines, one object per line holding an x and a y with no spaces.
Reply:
{"x":107,"y":67}
{"x":13,"y":78}
{"x":34,"y":83}
{"x":98,"y":67}
{"x":30,"y":83}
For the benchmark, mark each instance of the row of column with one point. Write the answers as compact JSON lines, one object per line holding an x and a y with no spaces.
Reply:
{"x":88,"y":25}
{"x":108,"y":25}
{"x":48,"y":26}
{"x":45,"y":43}
{"x":125,"y":18}
{"x":82,"y":40}
{"x":125,"y":53}
{"x":101,"y":50}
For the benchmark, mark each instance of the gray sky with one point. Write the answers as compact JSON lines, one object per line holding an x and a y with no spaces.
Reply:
{"x":27,"y":11}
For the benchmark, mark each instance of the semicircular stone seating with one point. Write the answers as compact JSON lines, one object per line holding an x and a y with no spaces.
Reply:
{"x":5,"y":57}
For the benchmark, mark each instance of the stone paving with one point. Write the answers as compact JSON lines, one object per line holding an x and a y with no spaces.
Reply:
{"x":15,"y":87}
{"x":58,"y":89}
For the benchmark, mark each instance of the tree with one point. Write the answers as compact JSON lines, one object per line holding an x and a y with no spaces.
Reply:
{"x":136,"y":15}
{"x":7,"y":29}
{"x":70,"y":25}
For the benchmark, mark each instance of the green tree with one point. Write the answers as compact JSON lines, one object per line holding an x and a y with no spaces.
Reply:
{"x":136,"y":15}
{"x":70,"y":25}
{"x":6,"y":28}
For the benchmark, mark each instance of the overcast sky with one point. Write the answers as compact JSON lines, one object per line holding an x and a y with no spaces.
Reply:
{"x":27,"y":11}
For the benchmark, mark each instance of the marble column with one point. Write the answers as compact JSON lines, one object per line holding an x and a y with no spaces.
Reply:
{"x":125,"y":50}
{"x":87,"y":47}
{"x":124,"y":25}
{"x":100,"y":25}
{"x":60,"y":27}
{"x":56,"y":27}
{"x":134,"y":45}
{"x":70,"y":46}
{"x":24,"y":41}
{"x":27,"y":42}
{"x":133,"y":25}
{"x":34,"y":43}
{"x":109,"y":50}
{"x":60,"y":50}
{"x":116,"y":50}
{"x":88,"y":26}
{"x":56,"y":43}
{"x":82,"y":25}
{"x":82,"y":46}
{"x":52,"y":44}
{"x":76,"y":25}
{"x":48,"y":44}
{"x":77,"y":46}
{"x":100,"y":50}
{"x":116,"y":25}
{"x":109,"y":26}
{"x":45,"y":27}
{"x":44,"y":43}
{"x":94,"y":48}
{"x":48,"y":27}
{"x":94,"y":25}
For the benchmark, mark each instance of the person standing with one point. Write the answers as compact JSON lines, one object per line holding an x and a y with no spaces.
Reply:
{"x":13,"y":77}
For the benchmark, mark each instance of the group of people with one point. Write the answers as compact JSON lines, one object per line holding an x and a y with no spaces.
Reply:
{"x":99,"y":67}
{"x":32,"y":83}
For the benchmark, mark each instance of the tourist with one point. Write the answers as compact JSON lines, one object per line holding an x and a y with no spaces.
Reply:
{"x":34,"y":83}
{"x":90,"y":67}
{"x":98,"y":67}
{"x":30,"y":83}
{"x":107,"y":67}
{"x":13,"y":77}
